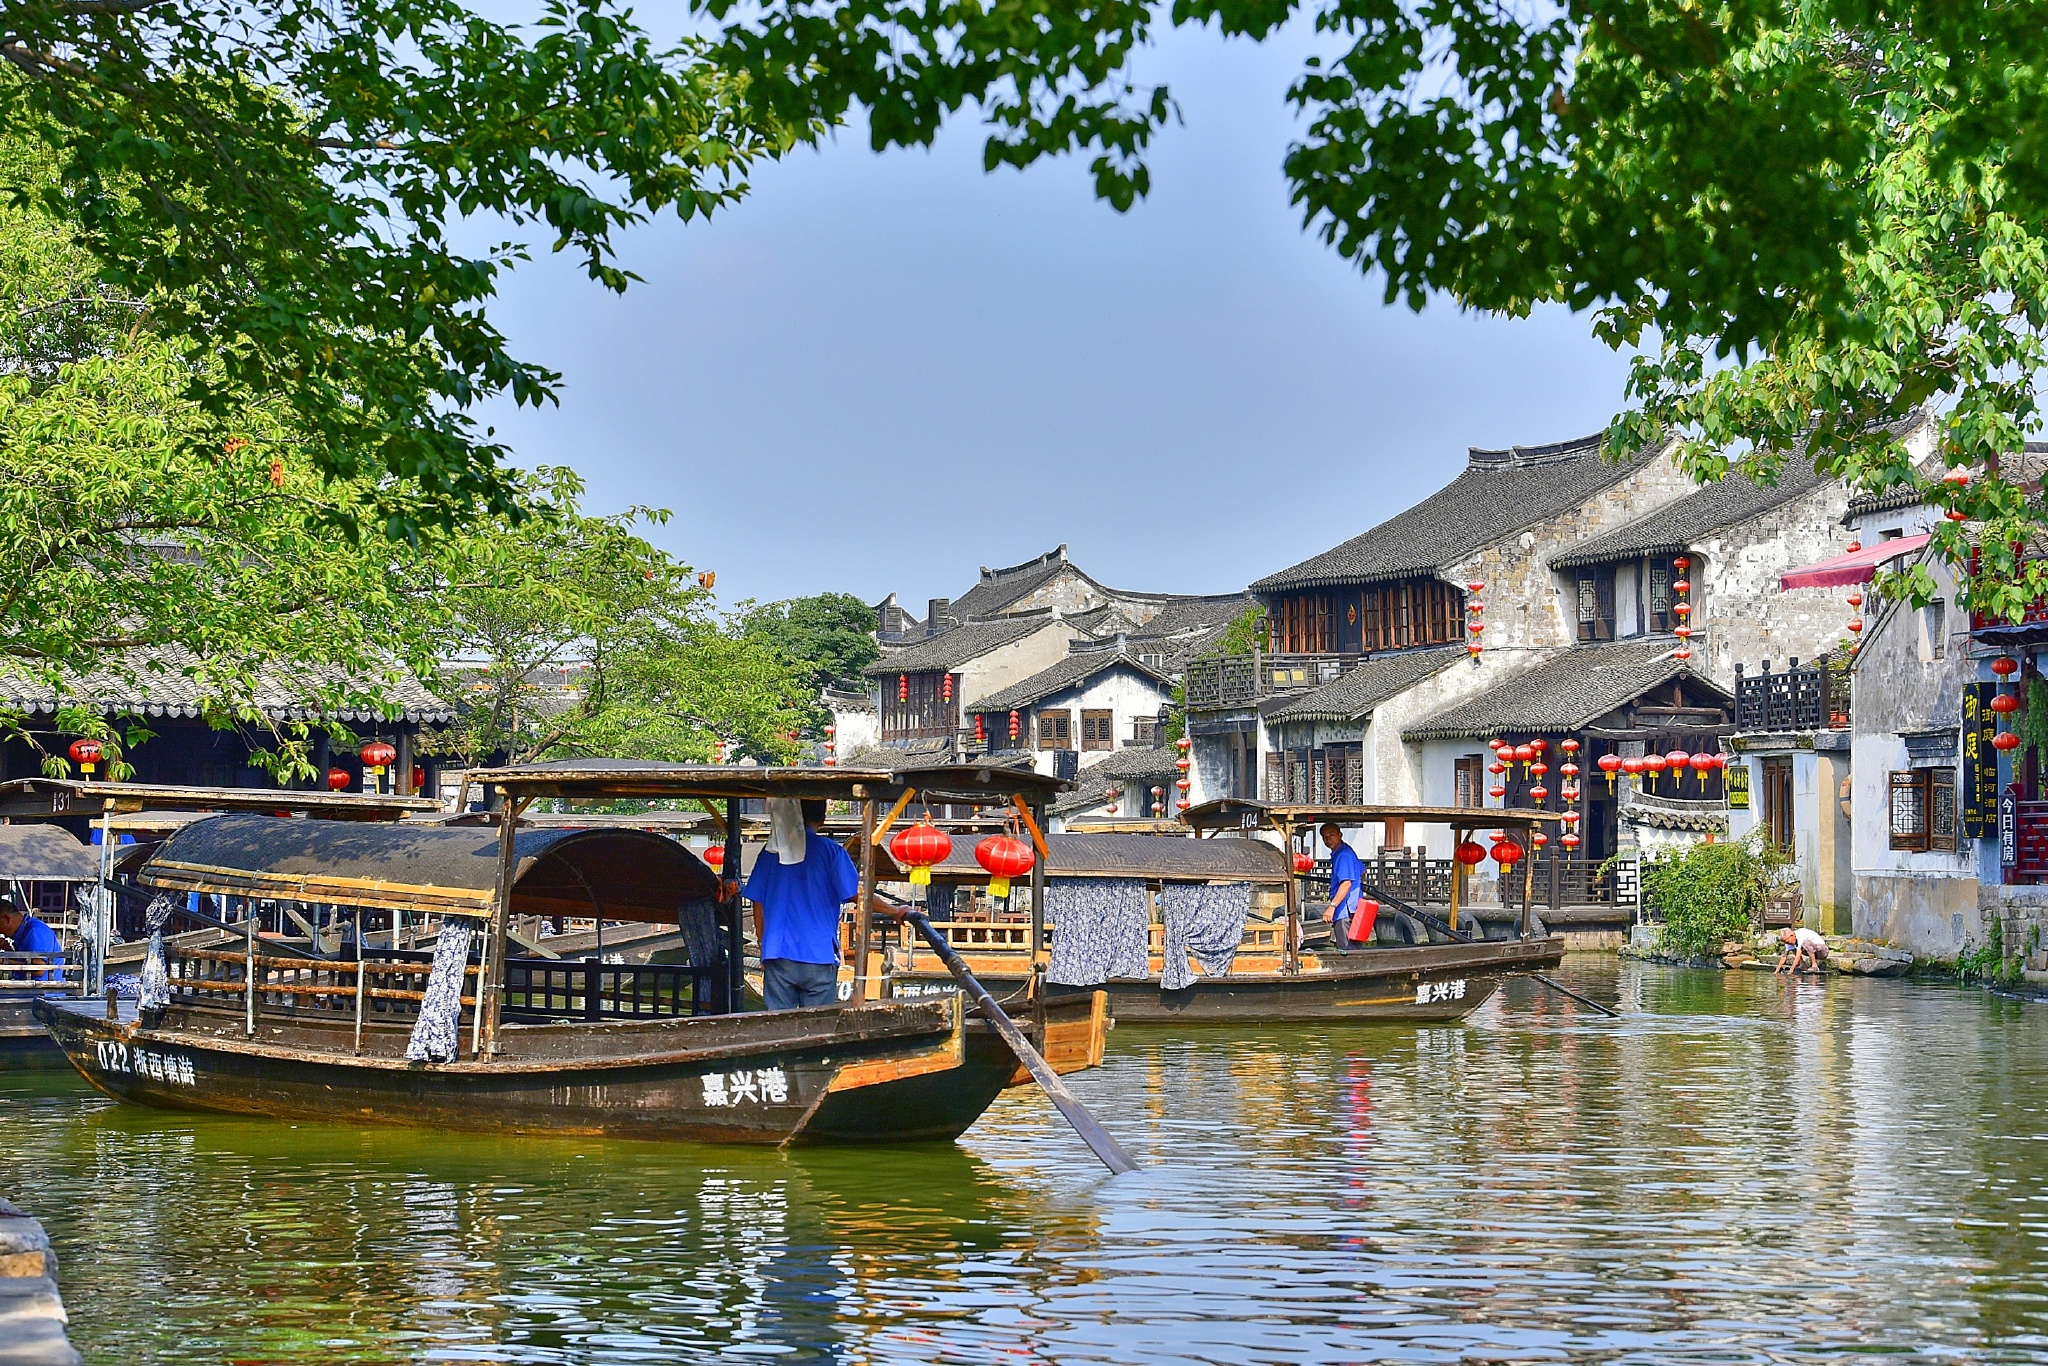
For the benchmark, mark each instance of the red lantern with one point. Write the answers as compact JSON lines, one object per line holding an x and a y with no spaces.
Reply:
{"x":1568,"y":817}
{"x":1956,"y":515}
{"x":1538,"y":794}
{"x":1856,"y":623}
{"x":419,"y":778}
{"x":1957,"y":478}
{"x":918,"y":848}
{"x":1570,"y":770}
{"x":1472,"y":649}
{"x":1002,"y":858}
{"x":1475,"y":606}
{"x":1539,"y":744}
{"x":1701,"y":762}
{"x":1682,"y":632}
{"x":902,"y":687}
{"x":86,"y":753}
{"x":1497,"y":792}
{"x":1525,"y":754}
{"x":714,"y":857}
{"x":1653,"y":764}
{"x":1570,"y":841}
{"x":1507,"y":853}
{"x":1683,"y":652}
{"x":1183,"y":763}
{"x":1682,"y":587}
{"x":1476,"y":627}
{"x":2005,"y":666}
{"x":1570,"y":746}
{"x":377,"y":754}
{"x":1682,"y":563}
{"x":1677,"y":759}
{"x":2005,"y":704}
{"x":1720,"y":763}
{"x":1855,"y":546}
{"x":1854,"y":599}
{"x":946,"y":688}
{"x":337,"y":779}
{"x":980,"y":728}
{"x":1469,"y":854}
{"x":1681,"y":609}
{"x":1496,"y":768}
{"x":1476,"y":586}
{"x":2005,"y":739}
{"x":1632,"y":765}
{"x":1610,"y":764}
{"x":1540,"y":839}
{"x":1304,"y":862}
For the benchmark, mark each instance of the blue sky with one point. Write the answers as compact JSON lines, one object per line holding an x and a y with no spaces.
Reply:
{"x":883,"y":371}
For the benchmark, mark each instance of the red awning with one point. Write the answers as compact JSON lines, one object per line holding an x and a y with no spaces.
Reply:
{"x":1858,"y":566}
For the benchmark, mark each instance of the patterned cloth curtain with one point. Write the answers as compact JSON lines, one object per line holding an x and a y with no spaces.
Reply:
{"x":437,"y":1034}
{"x":156,"y":968}
{"x":1103,"y":930}
{"x":1207,"y":920}
{"x":698,"y":919}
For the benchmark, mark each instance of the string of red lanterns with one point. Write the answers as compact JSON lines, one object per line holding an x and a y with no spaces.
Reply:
{"x":1570,"y":796}
{"x":1183,"y":764}
{"x":1681,"y":589}
{"x":1475,"y":610}
{"x":2004,"y":704}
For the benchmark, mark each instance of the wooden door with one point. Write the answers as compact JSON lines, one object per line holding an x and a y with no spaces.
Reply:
{"x":1777,"y":813}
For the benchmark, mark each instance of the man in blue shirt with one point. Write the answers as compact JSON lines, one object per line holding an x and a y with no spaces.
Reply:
{"x":1347,"y":875}
{"x":797,"y":916}
{"x":26,"y":934}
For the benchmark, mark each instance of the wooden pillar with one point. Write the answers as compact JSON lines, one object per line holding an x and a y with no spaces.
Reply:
{"x":1528,"y":883}
{"x":401,"y":777}
{"x":1038,"y":896}
{"x":1457,"y":873}
{"x":735,"y":930}
{"x":1293,"y":958}
{"x":484,"y":1038}
{"x":249,"y":968}
{"x":864,"y":904}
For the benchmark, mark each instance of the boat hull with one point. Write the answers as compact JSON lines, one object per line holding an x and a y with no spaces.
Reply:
{"x":885,"y":1073}
{"x":1433,"y":983}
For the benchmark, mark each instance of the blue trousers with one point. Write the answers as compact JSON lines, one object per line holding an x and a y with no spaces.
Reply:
{"x":790,"y":985}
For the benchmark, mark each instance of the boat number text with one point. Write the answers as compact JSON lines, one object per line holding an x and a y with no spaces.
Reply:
{"x":114,"y":1056}
{"x":740,"y":1088}
{"x":1428,"y":992}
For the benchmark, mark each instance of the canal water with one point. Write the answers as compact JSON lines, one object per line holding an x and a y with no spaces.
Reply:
{"x":1744,"y":1169}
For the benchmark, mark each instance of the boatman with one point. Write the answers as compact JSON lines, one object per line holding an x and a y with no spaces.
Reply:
{"x":797,"y":887}
{"x":1347,"y":874}
{"x":26,"y":934}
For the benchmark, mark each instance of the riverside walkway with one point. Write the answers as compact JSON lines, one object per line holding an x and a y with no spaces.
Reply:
{"x":31,"y":1313}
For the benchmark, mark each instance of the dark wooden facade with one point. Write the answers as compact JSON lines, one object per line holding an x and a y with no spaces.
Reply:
{"x":923,"y":705}
{"x":1356,"y":618}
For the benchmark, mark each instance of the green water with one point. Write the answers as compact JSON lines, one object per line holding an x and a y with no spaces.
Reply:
{"x":1744,"y":1169}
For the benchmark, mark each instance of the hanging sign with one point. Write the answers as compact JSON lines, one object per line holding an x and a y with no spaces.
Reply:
{"x":2008,"y":827}
{"x":1980,"y":761}
{"x":1736,"y":780}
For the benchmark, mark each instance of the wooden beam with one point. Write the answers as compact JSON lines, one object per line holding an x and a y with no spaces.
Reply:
{"x":881,"y":832}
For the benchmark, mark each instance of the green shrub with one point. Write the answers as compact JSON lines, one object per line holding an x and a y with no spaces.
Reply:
{"x":1711,"y":893}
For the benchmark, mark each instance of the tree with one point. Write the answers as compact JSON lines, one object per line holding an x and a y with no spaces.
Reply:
{"x":276,"y":180}
{"x":828,"y":636}
{"x":1845,"y":198}
{"x":570,"y":634}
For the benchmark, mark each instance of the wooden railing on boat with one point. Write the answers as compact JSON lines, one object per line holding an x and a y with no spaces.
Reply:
{"x":35,"y":972}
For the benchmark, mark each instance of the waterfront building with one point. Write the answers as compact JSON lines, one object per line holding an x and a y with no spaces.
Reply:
{"x":1075,"y":712}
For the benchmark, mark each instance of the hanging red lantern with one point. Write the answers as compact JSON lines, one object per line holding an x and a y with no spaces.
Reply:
{"x":1681,"y":609}
{"x":1683,"y":652}
{"x":1475,"y":606}
{"x":1539,"y":769}
{"x":2005,"y":666}
{"x":1476,"y":628}
{"x":1538,"y":794}
{"x":1855,"y":546}
{"x":1303,"y":863}
{"x":1525,"y":754}
{"x":1184,"y":744}
{"x":86,"y":754}
{"x":980,"y":728}
{"x":918,"y":848}
{"x":1539,"y":839}
{"x":1632,"y":766}
{"x":1854,"y":599}
{"x":1568,"y":817}
{"x":1497,"y":792}
{"x":1472,"y":648}
{"x":1856,"y":623}
{"x":2005,"y":704}
{"x":1183,"y":763}
{"x":1682,"y":632}
{"x":1496,"y":768}
{"x":1507,"y":853}
{"x":1003,"y":858}
{"x":1682,"y":587}
{"x":1957,"y":478}
{"x":902,"y":687}
{"x":337,"y":779}
{"x":2005,"y":739}
{"x":1677,"y":759}
{"x":1956,"y":515}
{"x":1469,"y":854}
{"x":1569,"y":745}
{"x":376,"y":755}
{"x":1720,"y":763}
{"x":1569,"y":770}
{"x":1570,"y":792}
{"x":714,"y":857}
{"x":1476,"y":586}
{"x":1570,"y":841}
{"x":1183,"y":786}
{"x":1610,"y":764}
{"x":1539,"y":744}
{"x":1682,"y":563}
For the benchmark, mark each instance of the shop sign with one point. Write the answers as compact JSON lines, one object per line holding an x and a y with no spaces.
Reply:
{"x":1980,"y":761}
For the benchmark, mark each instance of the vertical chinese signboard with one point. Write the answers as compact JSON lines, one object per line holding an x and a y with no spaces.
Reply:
{"x":1736,"y":779}
{"x":1980,"y":762}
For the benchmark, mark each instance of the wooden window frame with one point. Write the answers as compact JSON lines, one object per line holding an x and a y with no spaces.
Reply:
{"x":1055,"y":726}
{"x":1098,"y":728}
{"x":1921,"y":810}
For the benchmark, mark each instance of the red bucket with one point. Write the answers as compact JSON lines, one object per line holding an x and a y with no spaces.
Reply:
{"x":1362,"y":919}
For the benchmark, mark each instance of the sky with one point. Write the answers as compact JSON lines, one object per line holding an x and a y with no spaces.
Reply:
{"x":881,"y":372}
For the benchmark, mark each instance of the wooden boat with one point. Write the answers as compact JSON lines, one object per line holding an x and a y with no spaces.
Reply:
{"x":42,"y":865}
{"x":553,"y":1045}
{"x":1278,"y":974}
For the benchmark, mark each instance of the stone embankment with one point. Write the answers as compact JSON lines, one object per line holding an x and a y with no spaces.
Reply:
{"x":1857,"y":957}
{"x":31,"y":1315}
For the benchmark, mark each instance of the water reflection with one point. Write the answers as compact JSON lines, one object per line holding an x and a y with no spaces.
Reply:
{"x":1743,"y":1169}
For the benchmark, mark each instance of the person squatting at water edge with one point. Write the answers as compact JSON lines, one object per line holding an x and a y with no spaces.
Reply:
{"x":1809,"y":950}
{"x":798,"y":886}
{"x":1347,"y":876}
{"x":26,"y":934}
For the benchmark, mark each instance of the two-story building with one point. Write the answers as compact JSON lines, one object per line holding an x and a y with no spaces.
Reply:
{"x":1078,"y":711}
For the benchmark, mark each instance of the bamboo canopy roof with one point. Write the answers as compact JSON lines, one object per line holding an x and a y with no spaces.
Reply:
{"x":615,"y":874}
{"x":1240,"y":813}
{"x":45,"y":853}
{"x":43,"y":797}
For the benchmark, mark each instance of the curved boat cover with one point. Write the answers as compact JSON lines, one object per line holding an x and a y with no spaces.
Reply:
{"x":449,"y":870}
{"x":45,"y":853}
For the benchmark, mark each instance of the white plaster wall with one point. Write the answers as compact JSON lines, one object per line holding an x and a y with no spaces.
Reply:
{"x":1013,"y":663}
{"x":855,"y":728}
{"x":1125,"y":692}
{"x":1069,"y":591}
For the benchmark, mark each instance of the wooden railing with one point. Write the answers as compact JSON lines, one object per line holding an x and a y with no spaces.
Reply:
{"x":1240,"y":680}
{"x":391,"y":985}
{"x":587,"y":989}
{"x":1790,"y":700}
{"x":36,"y":973}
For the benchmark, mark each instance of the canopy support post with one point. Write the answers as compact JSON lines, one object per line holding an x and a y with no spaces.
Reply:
{"x":484,"y":1038}
{"x":1034,"y":816}
{"x":359,"y":979}
{"x":1291,"y":960}
{"x":735,"y":933}
{"x":864,"y":903}
{"x":1529,"y":885}
{"x":249,"y":967}
{"x":1457,"y":872}
{"x":102,"y":901}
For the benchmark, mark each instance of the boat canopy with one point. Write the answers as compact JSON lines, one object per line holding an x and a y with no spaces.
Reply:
{"x":1150,"y":858}
{"x":611,"y":779}
{"x":45,"y":853}
{"x":448,"y":870}
{"x":42,"y":797}
{"x":1240,"y":813}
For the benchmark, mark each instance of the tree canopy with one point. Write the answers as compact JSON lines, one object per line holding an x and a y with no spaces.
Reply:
{"x":830,"y":636}
{"x":277,"y":181}
{"x":1813,"y":215}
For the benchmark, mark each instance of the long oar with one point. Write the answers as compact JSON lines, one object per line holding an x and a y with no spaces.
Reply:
{"x":1443,"y":928}
{"x":1093,"y":1134}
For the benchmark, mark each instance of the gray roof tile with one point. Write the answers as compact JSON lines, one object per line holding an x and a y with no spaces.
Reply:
{"x":166,"y":681}
{"x":957,"y":646}
{"x":1131,"y":767}
{"x":1683,"y":524}
{"x":1499,"y":493}
{"x":1353,"y":695}
{"x":1070,"y":672}
{"x":1566,"y":692}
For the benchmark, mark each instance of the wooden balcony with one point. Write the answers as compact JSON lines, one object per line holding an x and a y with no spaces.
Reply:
{"x":1792,"y":699}
{"x":1246,"y":680}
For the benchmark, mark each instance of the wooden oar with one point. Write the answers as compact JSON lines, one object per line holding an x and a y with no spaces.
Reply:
{"x":1462,"y":938}
{"x":1093,"y":1134}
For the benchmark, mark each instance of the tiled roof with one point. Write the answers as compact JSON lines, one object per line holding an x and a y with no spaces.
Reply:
{"x":1372,"y":681}
{"x":1182,"y":616}
{"x":1131,"y":767}
{"x":899,"y":754}
{"x":998,"y":588}
{"x":1499,"y":493}
{"x":1685,"y":523}
{"x":957,"y":646}
{"x":1070,"y":672}
{"x":2024,"y":468}
{"x":1566,"y":692}
{"x":168,"y":681}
